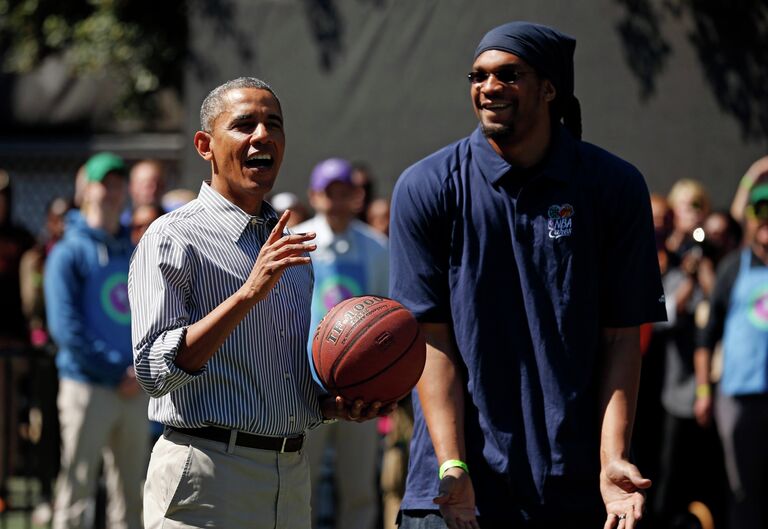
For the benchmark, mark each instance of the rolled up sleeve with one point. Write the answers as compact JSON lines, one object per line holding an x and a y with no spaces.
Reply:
{"x":159,"y":292}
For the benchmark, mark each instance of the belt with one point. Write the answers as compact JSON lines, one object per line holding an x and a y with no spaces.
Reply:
{"x":249,"y":440}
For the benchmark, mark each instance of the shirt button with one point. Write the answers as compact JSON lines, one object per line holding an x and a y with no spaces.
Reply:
{"x":292,"y":418}
{"x":282,"y":332}
{"x":254,"y":222}
{"x":287,"y":375}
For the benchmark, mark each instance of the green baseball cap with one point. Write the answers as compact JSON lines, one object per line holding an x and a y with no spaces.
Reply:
{"x":100,"y":165}
{"x":758,"y":193}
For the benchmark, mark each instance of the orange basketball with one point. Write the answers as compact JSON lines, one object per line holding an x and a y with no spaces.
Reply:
{"x":369,"y":348}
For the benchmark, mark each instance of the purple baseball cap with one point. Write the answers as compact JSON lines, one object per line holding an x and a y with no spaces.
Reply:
{"x":329,"y":171}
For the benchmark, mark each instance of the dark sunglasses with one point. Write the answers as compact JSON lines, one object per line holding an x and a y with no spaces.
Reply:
{"x":506,"y":76}
{"x":758,"y":211}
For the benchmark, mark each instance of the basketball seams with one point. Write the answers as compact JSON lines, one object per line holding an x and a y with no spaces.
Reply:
{"x":388,"y":366}
{"x":322,"y":332}
{"x":360,"y":340}
{"x":357,"y":338}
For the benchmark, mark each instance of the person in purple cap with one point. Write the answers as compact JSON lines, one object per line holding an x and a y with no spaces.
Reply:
{"x":350,"y":260}
{"x":528,"y":257}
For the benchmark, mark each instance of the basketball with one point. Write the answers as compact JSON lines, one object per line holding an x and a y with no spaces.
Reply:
{"x":369,"y":348}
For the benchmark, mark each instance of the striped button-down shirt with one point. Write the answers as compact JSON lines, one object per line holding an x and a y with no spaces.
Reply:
{"x":187,"y":263}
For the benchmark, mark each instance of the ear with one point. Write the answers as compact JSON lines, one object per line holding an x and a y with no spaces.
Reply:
{"x":203,"y":145}
{"x":549,"y":91}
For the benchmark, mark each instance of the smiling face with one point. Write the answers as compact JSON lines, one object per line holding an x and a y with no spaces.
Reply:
{"x":245,"y":146}
{"x":509,"y":110}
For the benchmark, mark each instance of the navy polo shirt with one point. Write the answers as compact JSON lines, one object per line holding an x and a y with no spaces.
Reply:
{"x":527,"y":266}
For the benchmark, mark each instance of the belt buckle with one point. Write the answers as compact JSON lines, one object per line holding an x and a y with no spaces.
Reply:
{"x":282,"y":448}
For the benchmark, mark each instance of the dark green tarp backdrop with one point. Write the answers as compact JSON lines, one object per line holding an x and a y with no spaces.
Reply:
{"x":680,"y":89}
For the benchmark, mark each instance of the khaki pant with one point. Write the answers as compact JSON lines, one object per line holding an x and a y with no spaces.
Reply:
{"x":195,"y":483}
{"x":356,"y":446}
{"x":97,"y":422}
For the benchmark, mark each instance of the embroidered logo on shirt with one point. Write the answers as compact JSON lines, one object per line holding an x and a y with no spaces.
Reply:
{"x":560,"y":221}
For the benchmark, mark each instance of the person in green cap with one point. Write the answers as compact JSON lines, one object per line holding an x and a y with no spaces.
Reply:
{"x":739,"y":316}
{"x":101,"y":410}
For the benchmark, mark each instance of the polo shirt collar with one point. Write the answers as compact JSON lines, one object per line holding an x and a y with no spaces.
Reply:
{"x":557,"y":164}
{"x":490,"y":163}
{"x":230,"y":218}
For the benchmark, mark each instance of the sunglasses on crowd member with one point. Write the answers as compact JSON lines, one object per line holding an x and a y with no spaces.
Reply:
{"x":758,"y":211}
{"x":506,"y":76}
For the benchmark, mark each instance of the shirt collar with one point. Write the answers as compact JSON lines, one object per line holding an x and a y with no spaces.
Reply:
{"x":557,"y":165}
{"x":231,"y":219}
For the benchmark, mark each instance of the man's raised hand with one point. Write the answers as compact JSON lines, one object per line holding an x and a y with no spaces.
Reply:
{"x":278,"y":253}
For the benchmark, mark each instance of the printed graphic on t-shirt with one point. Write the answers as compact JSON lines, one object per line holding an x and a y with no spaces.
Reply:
{"x":114,"y":298}
{"x":335,"y":282}
{"x":758,"y":308}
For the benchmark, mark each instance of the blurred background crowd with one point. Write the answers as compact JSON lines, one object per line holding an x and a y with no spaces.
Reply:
{"x":678,"y":88}
{"x":693,"y":454}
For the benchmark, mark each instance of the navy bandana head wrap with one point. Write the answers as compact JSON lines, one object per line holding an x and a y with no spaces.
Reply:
{"x":547,"y":50}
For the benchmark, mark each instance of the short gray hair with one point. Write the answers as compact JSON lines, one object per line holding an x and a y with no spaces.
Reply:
{"x":214,"y":102}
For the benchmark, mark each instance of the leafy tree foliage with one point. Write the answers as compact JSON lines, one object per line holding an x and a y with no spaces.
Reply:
{"x":140,"y":43}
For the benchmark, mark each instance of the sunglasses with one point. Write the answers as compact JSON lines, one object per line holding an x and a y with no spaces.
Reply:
{"x":506,"y":76}
{"x":758,"y":211}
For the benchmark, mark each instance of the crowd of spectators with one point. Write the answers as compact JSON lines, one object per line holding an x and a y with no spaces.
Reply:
{"x":702,"y":422}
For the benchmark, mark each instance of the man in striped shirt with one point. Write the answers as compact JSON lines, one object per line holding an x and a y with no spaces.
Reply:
{"x":221,"y":306}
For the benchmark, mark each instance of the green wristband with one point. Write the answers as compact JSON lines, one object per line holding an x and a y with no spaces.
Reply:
{"x":451,"y":463}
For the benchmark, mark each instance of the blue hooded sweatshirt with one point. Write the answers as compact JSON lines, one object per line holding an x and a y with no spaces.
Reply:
{"x":86,"y":296}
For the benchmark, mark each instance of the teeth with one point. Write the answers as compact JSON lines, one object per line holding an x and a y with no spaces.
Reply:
{"x":260,"y":156}
{"x":496,"y":106}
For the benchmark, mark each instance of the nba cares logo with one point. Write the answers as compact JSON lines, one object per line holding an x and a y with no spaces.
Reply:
{"x":560,"y":221}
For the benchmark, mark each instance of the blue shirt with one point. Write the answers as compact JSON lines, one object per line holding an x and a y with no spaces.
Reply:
{"x":745,"y":343}
{"x":86,"y":299}
{"x":186,"y":264}
{"x":527,"y":266}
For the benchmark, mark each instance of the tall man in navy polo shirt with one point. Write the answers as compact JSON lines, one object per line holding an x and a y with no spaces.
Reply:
{"x":528,"y":257}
